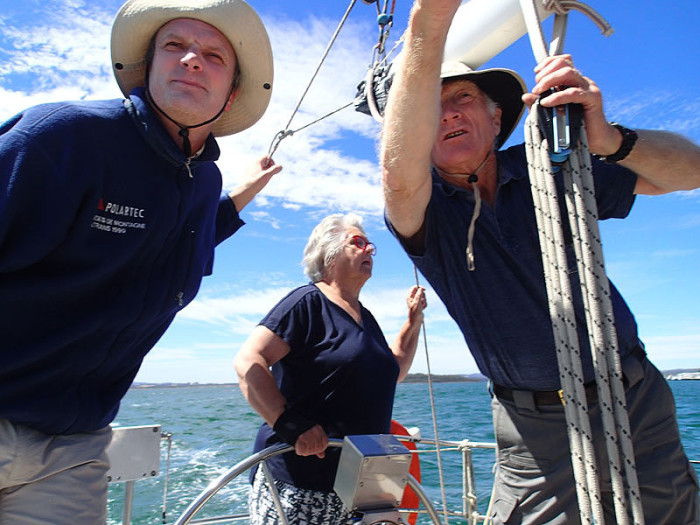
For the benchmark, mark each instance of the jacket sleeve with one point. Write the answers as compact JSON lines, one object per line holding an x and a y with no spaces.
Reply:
{"x":227,"y":219}
{"x":38,"y":198}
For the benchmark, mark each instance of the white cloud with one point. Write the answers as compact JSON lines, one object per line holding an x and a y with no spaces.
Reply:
{"x":195,"y":363}
{"x":62,"y":54}
{"x":674,"y":351}
{"x":316,"y":173}
{"x":265,"y":217}
{"x":221,"y":324}
{"x":642,"y":108}
{"x":242,"y":308}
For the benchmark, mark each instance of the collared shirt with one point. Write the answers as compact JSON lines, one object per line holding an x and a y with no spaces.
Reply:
{"x":501,"y":307}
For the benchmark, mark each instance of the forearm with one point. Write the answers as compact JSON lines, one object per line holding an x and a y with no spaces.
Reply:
{"x":664,"y":162}
{"x":412,"y":109}
{"x":405,"y":345}
{"x":260,"y":389}
{"x":243,"y":194}
{"x":411,"y":118}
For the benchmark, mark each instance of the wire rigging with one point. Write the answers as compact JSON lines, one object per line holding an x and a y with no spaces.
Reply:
{"x":286,"y":132}
{"x":385,"y":19}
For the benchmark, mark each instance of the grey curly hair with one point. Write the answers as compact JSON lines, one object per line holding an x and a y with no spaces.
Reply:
{"x":326,"y":241}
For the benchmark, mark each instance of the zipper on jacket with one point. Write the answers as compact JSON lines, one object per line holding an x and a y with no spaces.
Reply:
{"x":193,"y":156}
{"x":180,"y":297}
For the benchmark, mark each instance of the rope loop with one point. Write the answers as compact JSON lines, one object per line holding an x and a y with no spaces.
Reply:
{"x":465,"y":444}
{"x":555,"y":5}
{"x":282,"y":134}
{"x":562,"y":7}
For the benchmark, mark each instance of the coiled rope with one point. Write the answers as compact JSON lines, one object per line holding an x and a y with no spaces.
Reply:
{"x":583,"y":222}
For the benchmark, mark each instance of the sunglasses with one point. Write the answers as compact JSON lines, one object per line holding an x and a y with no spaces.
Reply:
{"x":363,"y":244}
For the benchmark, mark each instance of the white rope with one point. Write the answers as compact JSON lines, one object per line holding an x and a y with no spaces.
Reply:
{"x":601,"y":328}
{"x":434,"y":415}
{"x":581,"y":206}
{"x":551,"y":235}
{"x":369,"y":80}
{"x":582,"y":210}
{"x":371,"y":100}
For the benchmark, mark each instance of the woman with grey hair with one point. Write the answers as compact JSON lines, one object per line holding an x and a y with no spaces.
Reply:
{"x":318,"y":367}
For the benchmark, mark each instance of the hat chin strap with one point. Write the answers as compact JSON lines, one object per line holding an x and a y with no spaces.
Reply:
{"x":473,"y":179}
{"x":184,"y":130}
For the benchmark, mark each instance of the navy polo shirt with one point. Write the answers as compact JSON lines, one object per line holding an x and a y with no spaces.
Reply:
{"x":338,"y":373}
{"x":501,"y":307}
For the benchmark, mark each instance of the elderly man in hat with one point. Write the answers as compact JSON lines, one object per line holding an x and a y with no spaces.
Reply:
{"x":463,"y":212}
{"x":109,"y":215}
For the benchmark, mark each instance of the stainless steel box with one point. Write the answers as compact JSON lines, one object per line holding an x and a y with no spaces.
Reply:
{"x":372,"y":472}
{"x":134,"y":453}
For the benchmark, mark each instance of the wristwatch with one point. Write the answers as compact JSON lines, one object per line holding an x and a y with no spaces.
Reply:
{"x":629,"y":138}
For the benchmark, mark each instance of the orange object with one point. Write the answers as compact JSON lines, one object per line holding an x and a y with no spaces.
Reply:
{"x":410,"y":498}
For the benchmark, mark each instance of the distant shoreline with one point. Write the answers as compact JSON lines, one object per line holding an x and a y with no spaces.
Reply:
{"x":671,"y":375}
{"x":411,"y":378}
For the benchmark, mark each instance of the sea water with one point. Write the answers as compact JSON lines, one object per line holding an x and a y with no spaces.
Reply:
{"x":213,"y":428}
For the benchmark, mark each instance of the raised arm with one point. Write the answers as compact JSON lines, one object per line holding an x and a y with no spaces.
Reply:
{"x":412,"y":115}
{"x":256,"y":178}
{"x":404,"y":346}
{"x":252,"y":363}
{"x":663,"y":161}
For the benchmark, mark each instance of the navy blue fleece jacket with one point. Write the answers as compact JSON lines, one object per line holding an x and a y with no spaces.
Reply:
{"x":106,"y":230}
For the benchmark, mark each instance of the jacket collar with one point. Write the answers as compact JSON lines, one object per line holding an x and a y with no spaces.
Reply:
{"x":154,"y":132}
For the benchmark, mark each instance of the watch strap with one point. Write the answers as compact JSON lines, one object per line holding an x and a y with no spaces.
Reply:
{"x":629,"y":138}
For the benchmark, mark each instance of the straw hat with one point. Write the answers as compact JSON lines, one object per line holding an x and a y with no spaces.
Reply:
{"x":503,"y":86}
{"x":138,"y":20}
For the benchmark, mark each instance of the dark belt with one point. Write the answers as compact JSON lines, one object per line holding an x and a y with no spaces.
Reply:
{"x":556,"y":397}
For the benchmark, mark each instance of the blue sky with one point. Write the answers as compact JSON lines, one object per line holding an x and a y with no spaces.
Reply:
{"x":59,"y":50}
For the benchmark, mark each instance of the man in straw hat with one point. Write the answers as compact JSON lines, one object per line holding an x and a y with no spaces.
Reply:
{"x":463,"y":212}
{"x":109,"y":215}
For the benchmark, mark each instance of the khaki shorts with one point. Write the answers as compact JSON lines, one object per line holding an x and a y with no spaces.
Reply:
{"x":59,"y":480}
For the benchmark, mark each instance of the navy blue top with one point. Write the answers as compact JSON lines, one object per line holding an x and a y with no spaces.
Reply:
{"x":104,"y":237}
{"x":501,"y":307}
{"x":338,"y":373}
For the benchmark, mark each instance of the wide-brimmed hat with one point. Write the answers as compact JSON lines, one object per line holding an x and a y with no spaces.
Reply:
{"x":138,"y":20}
{"x":503,"y":86}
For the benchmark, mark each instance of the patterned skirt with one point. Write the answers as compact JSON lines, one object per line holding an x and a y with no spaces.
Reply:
{"x":301,"y":506}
